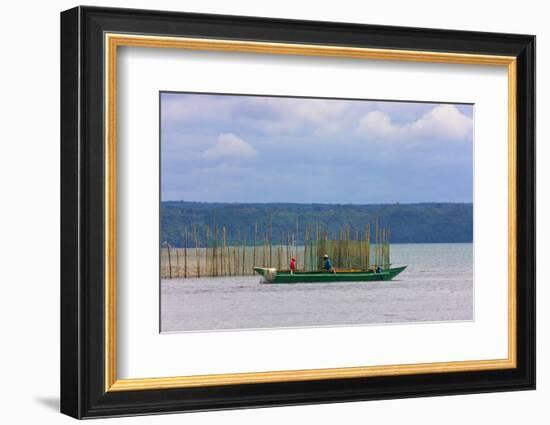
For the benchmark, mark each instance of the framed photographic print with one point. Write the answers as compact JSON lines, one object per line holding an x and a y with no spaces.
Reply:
{"x":261,"y":212}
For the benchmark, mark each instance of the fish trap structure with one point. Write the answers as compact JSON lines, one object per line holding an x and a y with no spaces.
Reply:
{"x":211,"y":252}
{"x":347,"y":249}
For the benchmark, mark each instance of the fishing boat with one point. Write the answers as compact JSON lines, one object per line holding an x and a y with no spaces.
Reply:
{"x":272,"y":275}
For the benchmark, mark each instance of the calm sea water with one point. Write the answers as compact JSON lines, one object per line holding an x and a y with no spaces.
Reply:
{"x":436,"y":286}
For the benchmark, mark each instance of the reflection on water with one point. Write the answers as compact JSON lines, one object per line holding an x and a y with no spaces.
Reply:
{"x":436,"y":286}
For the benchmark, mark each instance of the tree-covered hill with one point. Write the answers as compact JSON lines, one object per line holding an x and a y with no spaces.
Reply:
{"x":409,"y":223}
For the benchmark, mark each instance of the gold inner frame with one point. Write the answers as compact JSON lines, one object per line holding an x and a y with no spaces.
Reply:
{"x":113,"y":41}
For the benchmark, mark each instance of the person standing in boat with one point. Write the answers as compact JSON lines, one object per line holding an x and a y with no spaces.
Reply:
{"x":292,"y":265}
{"x":327,"y":266}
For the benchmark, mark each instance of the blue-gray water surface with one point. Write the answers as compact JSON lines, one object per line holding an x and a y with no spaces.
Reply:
{"x":436,"y":286}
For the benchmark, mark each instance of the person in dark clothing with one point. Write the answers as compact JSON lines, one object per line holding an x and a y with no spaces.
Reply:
{"x":327,"y":266}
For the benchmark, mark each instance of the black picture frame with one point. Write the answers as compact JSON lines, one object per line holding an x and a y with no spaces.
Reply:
{"x":83,"y":392}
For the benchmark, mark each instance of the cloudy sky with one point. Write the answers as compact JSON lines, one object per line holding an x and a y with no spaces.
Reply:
{"x":227,"y":148}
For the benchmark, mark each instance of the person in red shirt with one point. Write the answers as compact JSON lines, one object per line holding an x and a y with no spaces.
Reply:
{"x":292,"y":265}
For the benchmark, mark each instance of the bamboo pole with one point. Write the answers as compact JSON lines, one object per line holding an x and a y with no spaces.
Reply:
{"x":227,"y":253}
{"x":197,"y":251}
{"x":360,"y":242}
{"x":237,"y":263}
{"x":350,"y":247}
{"x":237,"y":254}
{"x":288,"y":253}
{"x":376,"y":259}
{"x":306,"y":231}
{"x":169,"y":261}
{"x":244,"y":255}
{"x":279,"y":256}
{"x":223,"y":251}
{"x":367,"y":246}
{"x":384,"y":246}
{"x":215,"y":250}
{"x":235,"y":260}
{"x":297,"y":242}
{"x":389,"y":247}
{"x":270,"y":239}
{"x":185,"y":253}
{"x":312,"y":249}
{"x":255,"y":240}
{"x":178,"y":269}
{"x":264,"y":255}
{"x":207,"y":271}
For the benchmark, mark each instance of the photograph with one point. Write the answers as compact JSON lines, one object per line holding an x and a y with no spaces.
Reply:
{"x":284,"y":210}
{"x":290,"y":212}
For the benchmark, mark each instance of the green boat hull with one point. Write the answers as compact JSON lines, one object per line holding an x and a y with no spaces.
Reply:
{"x":275,"y":276}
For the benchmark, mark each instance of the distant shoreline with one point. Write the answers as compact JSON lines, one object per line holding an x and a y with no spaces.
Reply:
{"x":437,"y":222}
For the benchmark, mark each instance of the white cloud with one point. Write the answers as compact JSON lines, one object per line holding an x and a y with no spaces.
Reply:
{"x":289,"y":115}
{"x":444,"y":122}
{"x":378,"y":124}
{"x":229,"y":146}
